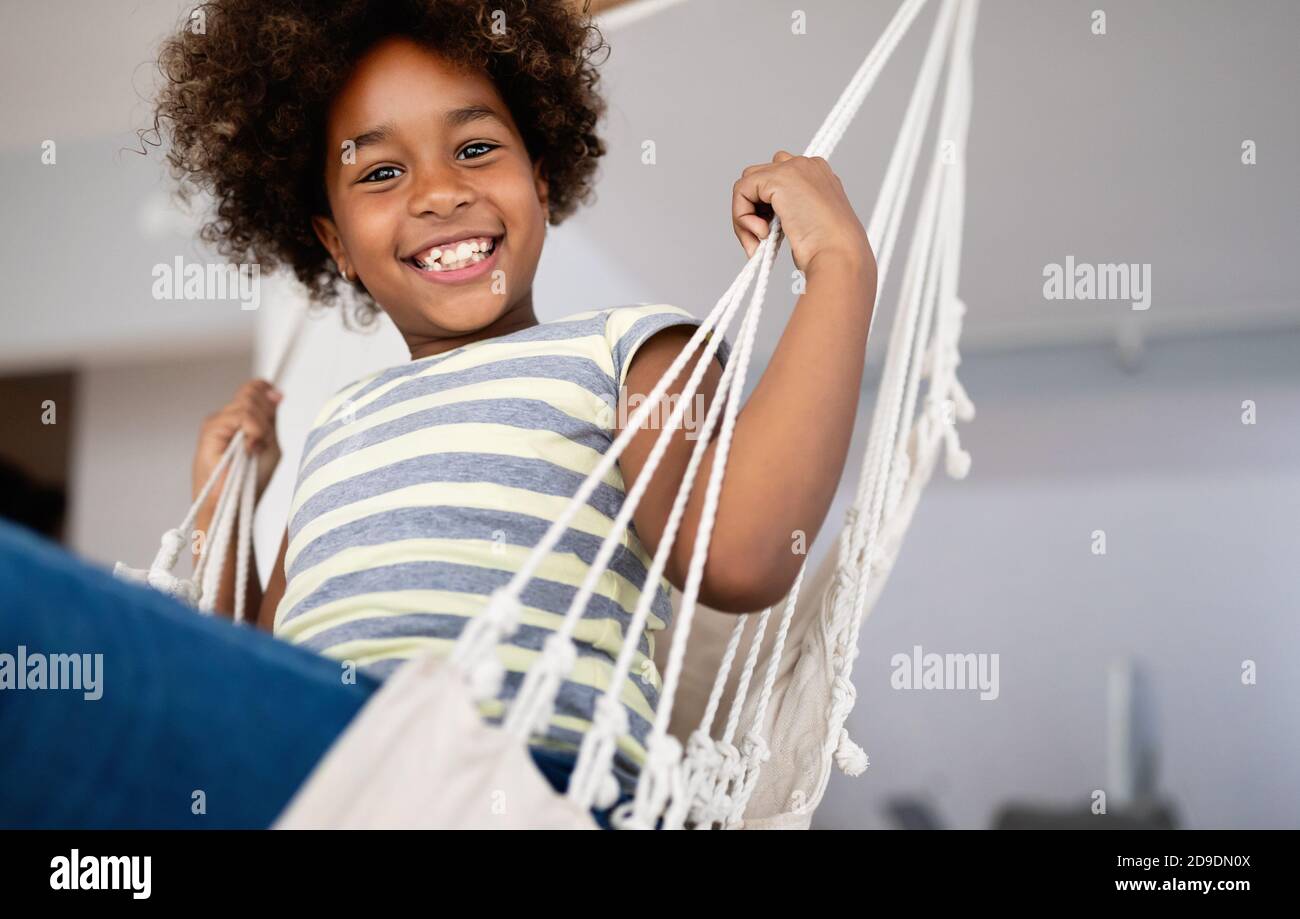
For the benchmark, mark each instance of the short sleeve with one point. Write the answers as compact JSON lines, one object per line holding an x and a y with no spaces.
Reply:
{"x":341,"y":402}
{"x":627,"y":328}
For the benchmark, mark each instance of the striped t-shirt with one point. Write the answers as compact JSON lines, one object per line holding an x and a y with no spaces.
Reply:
{"x":423,"y":488}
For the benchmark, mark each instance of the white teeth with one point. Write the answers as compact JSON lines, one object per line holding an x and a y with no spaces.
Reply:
{"x":465,"y":253}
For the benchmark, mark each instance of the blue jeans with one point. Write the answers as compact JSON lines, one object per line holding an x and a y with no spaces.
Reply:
{"x":197,"y":723}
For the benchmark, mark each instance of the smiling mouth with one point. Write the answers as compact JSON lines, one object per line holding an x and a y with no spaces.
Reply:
{"x":455,"y":256}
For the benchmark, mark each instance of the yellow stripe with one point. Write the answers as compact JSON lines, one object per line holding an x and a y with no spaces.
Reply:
{"x":334,"y":401}
{"x":480,"y":495}
{"x":601,"y":634}
{"x":588,"y":671}
{"x":626,"y":742}
{"x":564,"y":396}
{"x":487,"y":351}
{"x":480,"y":352}
{"x":481,"y":437}
{"x":563,"y":568}
{"x":621,"y":320}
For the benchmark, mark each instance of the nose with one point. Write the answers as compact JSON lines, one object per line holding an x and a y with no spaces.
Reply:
{"x":439,"y":189}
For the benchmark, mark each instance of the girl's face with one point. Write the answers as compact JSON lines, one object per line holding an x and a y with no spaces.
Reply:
{"x":419,"y":154}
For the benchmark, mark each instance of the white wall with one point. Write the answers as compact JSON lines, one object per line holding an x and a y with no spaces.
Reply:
{"x":133,"y":445}
{"x":1200,"y":517}
{"x":79,"y":250}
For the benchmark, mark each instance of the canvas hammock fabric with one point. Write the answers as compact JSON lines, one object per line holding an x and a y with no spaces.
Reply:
{"x":418,"y":755}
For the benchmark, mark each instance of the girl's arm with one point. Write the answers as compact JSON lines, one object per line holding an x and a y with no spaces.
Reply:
{"x":274,"y":589}
{"x":792,"y":437}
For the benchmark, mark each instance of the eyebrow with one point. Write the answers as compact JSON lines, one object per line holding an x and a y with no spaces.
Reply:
{"x":376,"y":135}
{"x":457,"y":117}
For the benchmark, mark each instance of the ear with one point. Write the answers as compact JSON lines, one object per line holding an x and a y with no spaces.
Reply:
{"x":542,"y":185}
{"x":328,"y":234}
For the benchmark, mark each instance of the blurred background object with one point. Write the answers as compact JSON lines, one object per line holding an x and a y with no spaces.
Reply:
{"x":35,"y":451}
{"x":1094,"y":418}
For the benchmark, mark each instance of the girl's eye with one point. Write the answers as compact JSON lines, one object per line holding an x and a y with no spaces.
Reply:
{"x":479,"y":145}
{"x":376,"y":177}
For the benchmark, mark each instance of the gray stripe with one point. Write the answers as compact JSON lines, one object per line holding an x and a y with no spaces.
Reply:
{"x":448,"y":522}
{"x":578,"y":700}
{"x":543,"y":331}
{"x":512,"y":471}
{"x":530,"y":414}
{"x":649,"y":325}
{"x":579,"y":370}
{"x":449,"y":626}
{"x":540,"y":593}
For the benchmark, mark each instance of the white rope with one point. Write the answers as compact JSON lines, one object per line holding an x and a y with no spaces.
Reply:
{"x":710,"y":775}
{"x":824,"y":143}
{"x":708,"y":759}
{"x":647,"y":808}
{"x":892,"y":391}
{"x":223,"y":526}
{"x":474,"y":652}
{"x":595,"y":754}
{"x":667,"y":788}
{"x":926,"y":86}
{"x":851,"y":98}
{"x":159,"y":574}
{"x":719,"y":684}
{"x":235,"y":504}
{"x":589,"y":763}
{"x":886,"y":219}
{"x":706,"y":763}
{"x":227,"y":459}
{"x":893,"y":200}
{"x":502,"y":613}
{"x":861,"y":536}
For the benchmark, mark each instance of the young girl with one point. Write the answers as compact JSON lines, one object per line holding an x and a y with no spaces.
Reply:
{"x":411,"y":155}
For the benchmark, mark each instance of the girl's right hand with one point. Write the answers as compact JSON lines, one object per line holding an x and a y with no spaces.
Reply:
{"x":252,"y":410}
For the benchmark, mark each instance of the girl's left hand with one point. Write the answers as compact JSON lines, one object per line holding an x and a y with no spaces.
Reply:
{"x":816,"y":215}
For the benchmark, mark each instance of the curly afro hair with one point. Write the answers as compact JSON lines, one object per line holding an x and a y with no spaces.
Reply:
{"x":245,"y":97}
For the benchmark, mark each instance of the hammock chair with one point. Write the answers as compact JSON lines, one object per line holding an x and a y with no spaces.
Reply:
{"x":419,"y":755}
